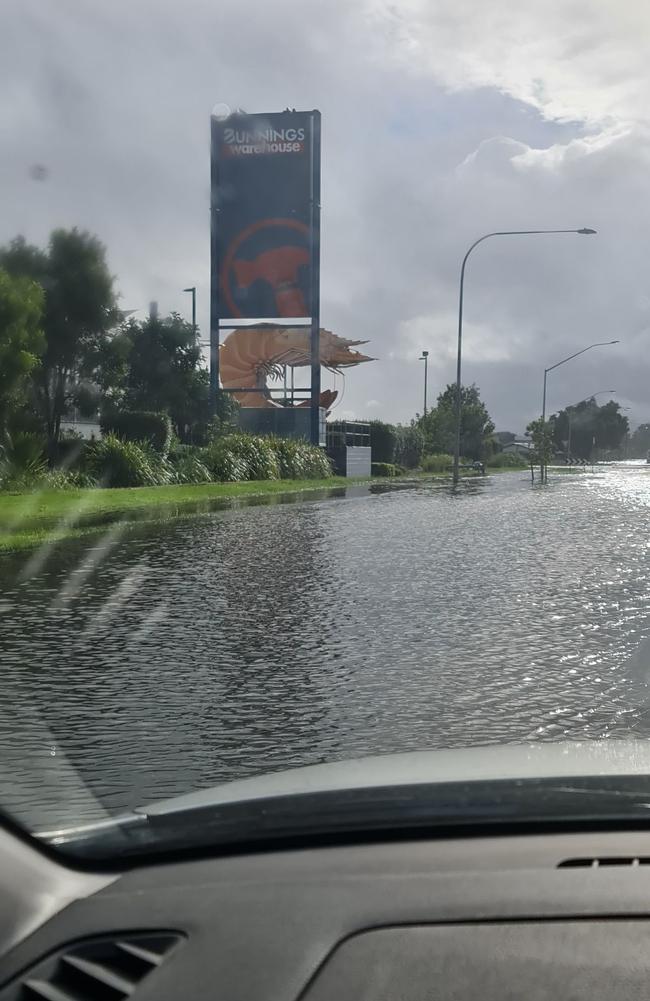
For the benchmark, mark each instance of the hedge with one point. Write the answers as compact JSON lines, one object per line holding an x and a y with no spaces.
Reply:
{"x":140,"y":426}
{"x":383,"y":469}
{"x":439,"y":462}
{"x":113,"y":462}
{"x":383,"y":441}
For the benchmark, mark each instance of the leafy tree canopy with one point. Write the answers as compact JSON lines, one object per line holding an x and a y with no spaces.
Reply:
{"x":21,"y":340}
{"x":477,"y":428}
{"x":157,"y":366}
{"x":78,"y":312}
{"x":585,"y":426}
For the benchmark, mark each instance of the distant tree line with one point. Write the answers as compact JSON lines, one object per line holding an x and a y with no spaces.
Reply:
{"x":587,"y":430}
{"x":639,"y":442}
{"x":429,"y":440}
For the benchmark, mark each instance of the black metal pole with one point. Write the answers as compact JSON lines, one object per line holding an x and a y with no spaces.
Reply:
{"x":542,"y":457}
{"x":315,"y":280}
{"x":214,"y":276}
{"x":425,"y":359}
{"x":458,"y":401}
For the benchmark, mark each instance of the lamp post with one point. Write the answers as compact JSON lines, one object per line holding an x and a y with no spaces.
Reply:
{"x":425,"y":358}
{"x":487,"y":236}
{"x":192,"y":289}
{"x":598,"y":344}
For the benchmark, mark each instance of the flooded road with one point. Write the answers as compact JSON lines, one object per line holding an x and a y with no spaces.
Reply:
{"x":152,"y":659}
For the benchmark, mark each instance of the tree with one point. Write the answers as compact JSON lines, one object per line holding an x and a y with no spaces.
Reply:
{"x":79,"y":310}
{"x":502,"y":438}
{"x":580,"y":428}
{"x":541,"y":434}
{"x":640,"y":442}
{"x":611,"y":426}
{"x":21,"y":341}
{"x":383,"y":440}
{"x":439,"y":425}
{"x":410,"y":445}
{"x":156,"y":366}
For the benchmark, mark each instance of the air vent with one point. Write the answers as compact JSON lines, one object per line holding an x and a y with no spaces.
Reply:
{"x":629,"y":861}
{"x":106,"y":969}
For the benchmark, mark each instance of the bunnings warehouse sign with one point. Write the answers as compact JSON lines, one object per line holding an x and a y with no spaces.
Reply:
{"x":265,"y":200}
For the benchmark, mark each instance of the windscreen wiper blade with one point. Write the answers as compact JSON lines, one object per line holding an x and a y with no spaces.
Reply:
{"x":396,"y":809}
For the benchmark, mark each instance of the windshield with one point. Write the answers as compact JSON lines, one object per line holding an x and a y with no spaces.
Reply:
{"x":324,"y":407}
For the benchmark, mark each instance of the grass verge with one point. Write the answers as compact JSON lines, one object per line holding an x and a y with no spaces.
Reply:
{"x":30,"y":519}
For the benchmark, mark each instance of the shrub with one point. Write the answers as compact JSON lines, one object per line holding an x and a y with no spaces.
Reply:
{"x":291,"y":458}
{"x":23,"y":467}
{"x":507,"y":460}
{"x":188,"y":465}
{"x":70,"y":451}
{"x":140,"y":426}
{"x":256,"y":453}
{"x":113,"y":462}
{"x":383,"y":469}
{"x":383,"y":441}
{"x":65,"y":479}
{"x":225,"y":418}
{"x":223,"y":461}
{"x":22,"y":460}
{"x":439,"y":462}
{"x":317,"y":463}
{"x":409,"y":445}
{"x":298,"y":460}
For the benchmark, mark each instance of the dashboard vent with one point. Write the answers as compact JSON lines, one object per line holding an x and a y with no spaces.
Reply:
{"x":106,"y":969}
{"x":598,"y":863}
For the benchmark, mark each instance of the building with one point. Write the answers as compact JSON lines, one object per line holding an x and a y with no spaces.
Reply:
{"x":520,"y":448}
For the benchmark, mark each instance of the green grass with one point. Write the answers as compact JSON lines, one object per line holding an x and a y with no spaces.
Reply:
{"x":30,"y":519}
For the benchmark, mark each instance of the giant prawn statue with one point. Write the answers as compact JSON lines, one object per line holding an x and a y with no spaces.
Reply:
{"x":251,"y":355}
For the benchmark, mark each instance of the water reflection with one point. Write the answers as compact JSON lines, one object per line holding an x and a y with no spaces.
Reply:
{"x":163,"y":657}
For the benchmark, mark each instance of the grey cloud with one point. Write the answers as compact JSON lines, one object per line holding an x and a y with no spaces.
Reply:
{"x":114,"y":101}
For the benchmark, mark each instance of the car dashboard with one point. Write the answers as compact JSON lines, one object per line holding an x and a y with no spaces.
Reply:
{"x":523,"y":915}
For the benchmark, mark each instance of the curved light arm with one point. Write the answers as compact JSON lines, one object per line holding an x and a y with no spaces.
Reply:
{"x":505,"y":232}
{"x":598,"y":344}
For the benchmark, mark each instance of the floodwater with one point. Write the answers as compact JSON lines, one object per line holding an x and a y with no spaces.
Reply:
{"x":153,"y":659}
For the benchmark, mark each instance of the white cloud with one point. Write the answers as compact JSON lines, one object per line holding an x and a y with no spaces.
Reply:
{"x":574,"y":62}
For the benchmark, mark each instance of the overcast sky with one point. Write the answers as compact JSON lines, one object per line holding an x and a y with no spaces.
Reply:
{"x":442,"y":120}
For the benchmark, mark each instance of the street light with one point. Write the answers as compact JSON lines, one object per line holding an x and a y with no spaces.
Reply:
{"x":425,"y":358}
{"x":192,"y":289}
{"x":598,"y":344}
{"x":513,"y":232}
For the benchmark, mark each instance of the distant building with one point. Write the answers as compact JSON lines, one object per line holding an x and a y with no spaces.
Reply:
{"x":521,"y":448}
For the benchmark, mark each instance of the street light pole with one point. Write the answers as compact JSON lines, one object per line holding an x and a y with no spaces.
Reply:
{"x":425,"y":358}
{"x":598,"y":344}
{"x":487,"y":236}
{"x":193,"y":291}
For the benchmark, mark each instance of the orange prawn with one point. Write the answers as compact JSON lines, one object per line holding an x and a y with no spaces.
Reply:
{"x":251,"y":355}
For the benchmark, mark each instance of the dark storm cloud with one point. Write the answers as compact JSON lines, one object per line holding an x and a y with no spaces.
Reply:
{"x":434,"y":132}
